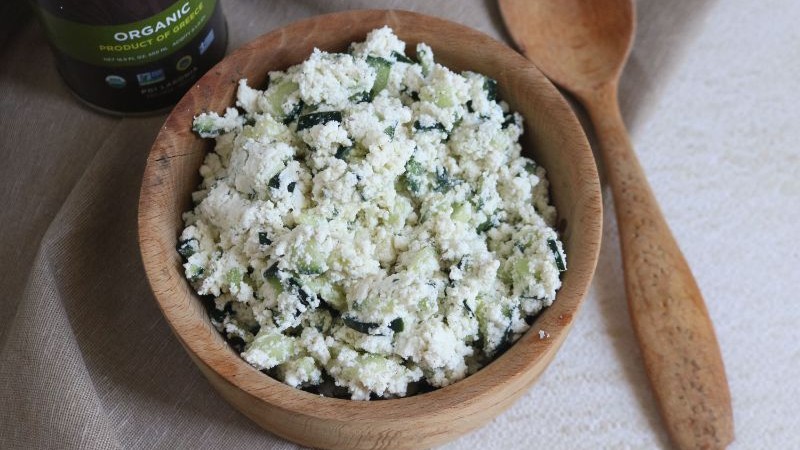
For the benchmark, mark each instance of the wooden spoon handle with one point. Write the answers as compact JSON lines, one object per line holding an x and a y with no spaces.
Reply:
{"x":677,"y":339}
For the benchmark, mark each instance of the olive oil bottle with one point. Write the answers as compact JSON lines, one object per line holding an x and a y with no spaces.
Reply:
{"x":134,"y":56}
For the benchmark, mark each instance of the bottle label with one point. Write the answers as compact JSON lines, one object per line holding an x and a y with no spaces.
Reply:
{"x":130,"y":44}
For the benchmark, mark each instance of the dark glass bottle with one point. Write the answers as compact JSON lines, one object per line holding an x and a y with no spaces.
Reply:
{"x":133,"y":56}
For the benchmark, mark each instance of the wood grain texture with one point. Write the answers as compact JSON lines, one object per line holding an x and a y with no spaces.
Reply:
{"x":553,"y":137}
{"x":582,"y":45}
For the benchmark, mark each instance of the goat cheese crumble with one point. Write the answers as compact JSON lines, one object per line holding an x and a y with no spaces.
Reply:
{"x":366,"y":225}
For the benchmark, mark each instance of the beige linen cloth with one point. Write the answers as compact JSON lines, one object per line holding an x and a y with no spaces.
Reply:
{"x":86,"y":360}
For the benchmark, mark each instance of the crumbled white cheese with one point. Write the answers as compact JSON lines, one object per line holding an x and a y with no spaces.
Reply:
{"x":367,"y":222}
{"x":543,"y":334}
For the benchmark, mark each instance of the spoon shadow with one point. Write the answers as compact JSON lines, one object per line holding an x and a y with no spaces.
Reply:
{"x":663,"y":31}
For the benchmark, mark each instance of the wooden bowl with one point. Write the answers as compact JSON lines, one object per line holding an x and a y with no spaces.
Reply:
{"x":552,"y":137}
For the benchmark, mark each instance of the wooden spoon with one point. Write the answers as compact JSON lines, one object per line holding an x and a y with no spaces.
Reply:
{"x":582,"y":46}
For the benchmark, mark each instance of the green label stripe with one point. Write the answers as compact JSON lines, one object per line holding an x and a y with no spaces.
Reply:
{"x":131,"y":44}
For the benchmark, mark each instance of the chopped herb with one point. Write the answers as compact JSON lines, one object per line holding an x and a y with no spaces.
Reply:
{"x":389,"y":131}
{"x":291,"y":186}
{"x":444,"y":182}
{"x":263,"y":238}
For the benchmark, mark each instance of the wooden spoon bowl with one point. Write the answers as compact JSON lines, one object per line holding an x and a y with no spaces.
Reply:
{"x":553,"y":137}
{"x":582,"y":45}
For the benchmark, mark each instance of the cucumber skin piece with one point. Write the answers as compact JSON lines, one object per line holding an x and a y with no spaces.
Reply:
{"x":395,"y":325}
{"x":490,"y":86}
{"x":557,"y":255}
{"x":309,"y":120}
{"x":278,"y":98}
{"x":382,"y":68}
{"x":399,"y":57}
{"x":361,"y":327}
{"x":437,"y":126}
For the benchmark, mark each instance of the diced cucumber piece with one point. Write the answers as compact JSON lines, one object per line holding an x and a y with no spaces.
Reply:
{"x":382,"y":68}
{"x":442,"y":96}
{"x":423,"y":261}
{"x":205,"y":125}
{"x":557,"y":255}
{"x":269,"y":349}
{"x":310,"y":260}
{"x":300,"y":372}
{"x":389,"y":131}
{"x":399,"y":213}
{"x":312,"y":268}
{"x":330,"y":293}
{"x":194,"y":272}
{"x":375,"y":366}
{"x":318,"y":118}
{"x":276,"y":99}
{"x":310,"y":218}
{"x":461,"y":212}
{"x":234,"y":276}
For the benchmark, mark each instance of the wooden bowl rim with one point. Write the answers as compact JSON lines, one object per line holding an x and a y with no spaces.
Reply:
{"x":528,"y":352}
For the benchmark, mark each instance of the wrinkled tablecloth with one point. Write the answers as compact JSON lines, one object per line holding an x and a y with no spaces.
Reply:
{"x":710,"y":95}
